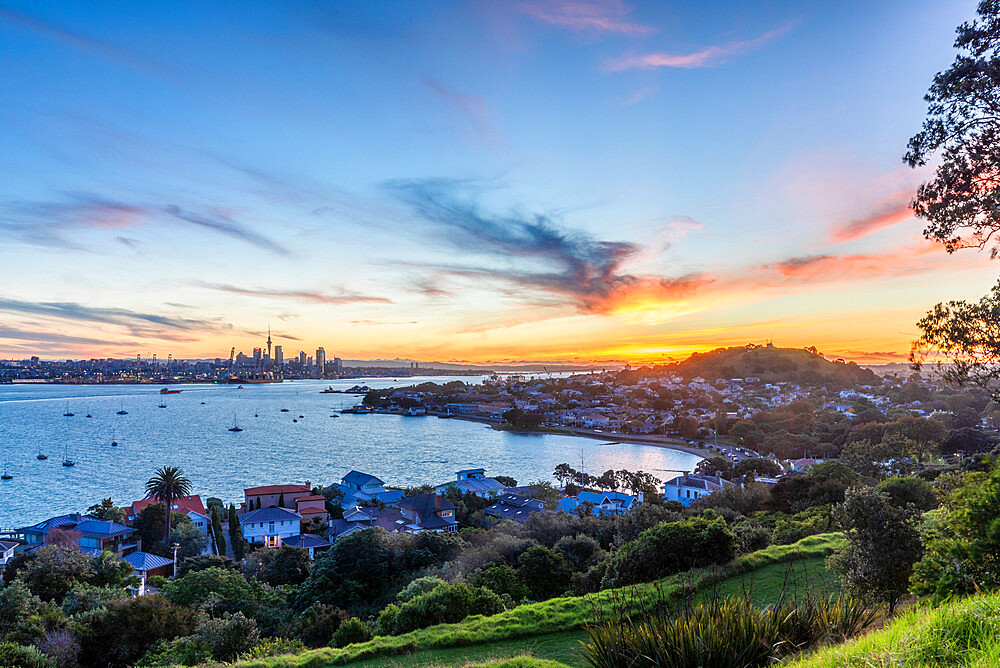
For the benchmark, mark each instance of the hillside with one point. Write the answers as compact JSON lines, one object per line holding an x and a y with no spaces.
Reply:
{"x":553,"y":629}
{"x":794,"y":365}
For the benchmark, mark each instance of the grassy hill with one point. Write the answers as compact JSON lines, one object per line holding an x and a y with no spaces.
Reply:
{"x":795,"y":365}
{"x":552,"y":629}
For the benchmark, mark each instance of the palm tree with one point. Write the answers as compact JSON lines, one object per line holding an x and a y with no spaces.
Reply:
{"x":168,"y":484}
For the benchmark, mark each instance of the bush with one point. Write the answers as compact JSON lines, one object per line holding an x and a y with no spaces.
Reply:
{"x":501,"y":579}
{"x":61,"y":646}
{"x":222,"y":591}
{"x":545,"y":572}
{"x":13,"y":655}
{"x":446,"y":604}
{"x":229,"y":636}
{"x":203,"y":561}
{"x":273,"y":647}
{"x":351,"y":631}
{"x":188,"y":651}
{"x":581,"y":551}
{"x":788,"y":530}
{"x":157,"y":581}
{"x":84,"y":597}
{"x":909,"y":490}
{"x":751,"y":537}
{"x":672,"y":547}
{"x":418,"y":587}
{"x":119,"y":634}
{"x":316,"y":625}
{"x":387,"y":619}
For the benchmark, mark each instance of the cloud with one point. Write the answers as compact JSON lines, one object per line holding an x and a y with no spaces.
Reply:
{"x":895,"y":262}
{"x":341,"y":297}
{"x":472,"y":108}
{"x":594,"y":16}
{"x":136,"y":321}
{"x":894,"y":210}
{"x":49,"y":337}
{"x":557,"y":264}
{"x":227,"y":226}
{"x":707,"y":57}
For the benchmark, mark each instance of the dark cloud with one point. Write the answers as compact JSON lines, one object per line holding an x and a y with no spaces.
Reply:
{"x":563,"y":264}
{"x":48,"y":337}
{"x":340,"y":297}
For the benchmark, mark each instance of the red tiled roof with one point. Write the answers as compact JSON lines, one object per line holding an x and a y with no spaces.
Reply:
{"x":274,"y":489}
{"x":181,"y":505}
{"x":313,"y":511}
{"x":314,"y":497}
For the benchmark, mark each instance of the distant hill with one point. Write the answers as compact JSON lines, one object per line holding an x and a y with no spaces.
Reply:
{"x":793,"y":365}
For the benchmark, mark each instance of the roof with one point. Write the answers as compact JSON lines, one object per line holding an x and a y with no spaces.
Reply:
{"x":102,"y":528}
{"x":426,"y":503}
{"x":305,"y":540}
{"x":515,"y":507}
{"x":144,"y":561}
{"x":698,"y":481}
{"x":361,"y":479}
{"x":8,"y":545}
{"x":275,"y":489}
{"x":470,"y":471}
{"x":311,"y":497}
{"x":271,"y":514}
{"x":475,"y":485}
{"x":182,"y":504}
{"x":598,"y":498}
{"x":53,"y":522}
{"x":313,"y":511}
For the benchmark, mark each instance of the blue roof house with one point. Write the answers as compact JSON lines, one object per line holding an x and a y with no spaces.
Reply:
{"x":89,"y":534}
{"x":605,"y":503}
{"x":473,"y":481}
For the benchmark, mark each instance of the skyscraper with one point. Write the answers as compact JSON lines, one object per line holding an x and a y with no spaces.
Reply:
{"x":338,"y":365}
{"x":256,"y":355}
{"x":320,"y":362}
{"x":302,"y":359}
{"x":279,"y":357}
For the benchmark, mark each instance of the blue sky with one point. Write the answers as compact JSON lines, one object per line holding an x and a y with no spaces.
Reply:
{"x":479,"y":181}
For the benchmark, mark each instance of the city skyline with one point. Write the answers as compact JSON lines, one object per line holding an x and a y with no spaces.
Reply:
{"x":539,"y":181}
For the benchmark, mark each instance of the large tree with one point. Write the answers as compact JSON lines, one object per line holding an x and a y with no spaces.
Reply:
{"x":168,"y":484}
{"x":961,"y":203}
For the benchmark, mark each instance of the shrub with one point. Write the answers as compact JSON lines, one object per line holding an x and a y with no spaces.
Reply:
{"x":316,"y":625}
{"x":222,"y":591}
{"x":351,"y":631}
{"x":909,"y":490}
{"x":545,"y":572}
{"x":445,"y":604}
{"x":581,"y":551}
{"x":120,"y":633}
{"x":157,"y":581}
{"x":272,"y":647}
{"x":387,"y":619}
{"x":751,"y":537}
{"x":61,"y":646}
{"x":672,"y":547}
{"x":203,"y":561}
{"x":418,"y":587}
{"x":13,"y":655}
{"x":83,"y":597}
{"x":229,"y":636}
{"x":501,"y":579}
{"x":188,"y":651}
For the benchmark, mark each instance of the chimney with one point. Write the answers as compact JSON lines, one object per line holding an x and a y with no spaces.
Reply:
{"x":641,"y":496}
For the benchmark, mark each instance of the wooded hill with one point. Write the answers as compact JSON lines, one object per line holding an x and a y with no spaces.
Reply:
{"x":794,"y":365}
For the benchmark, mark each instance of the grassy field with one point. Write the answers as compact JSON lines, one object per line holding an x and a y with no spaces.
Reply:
{"x":965,"y":632}
{"x":551,"y":629}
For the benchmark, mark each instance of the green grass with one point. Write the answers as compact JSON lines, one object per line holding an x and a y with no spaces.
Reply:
{"x":965,"y":632}
{"x":477,"y":634}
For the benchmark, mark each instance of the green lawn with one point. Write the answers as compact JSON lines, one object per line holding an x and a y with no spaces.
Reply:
{"x":477,"y":637}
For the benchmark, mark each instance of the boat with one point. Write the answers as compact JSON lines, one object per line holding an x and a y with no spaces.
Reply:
{"x":6,"y":476}
{"x":240,"y":387}
{"x":167,"y":390}
{"x":334,"y":415}
{"x":302,"y":416}
{"x":162,"y":406}
{"x":40,"y":456}
{"x":88,"y":415}
{"x":114,"y":443}
{"x":68,"y":412}
{"x":359,"y":409}
{"x":294,"y":420}
{"x":235,"y":427}
{"x":122,"y":410}
{"x":329,"y":390}
{"x":203,"y":403}
{"x":284,"y":410}
{"x":66,"y":460}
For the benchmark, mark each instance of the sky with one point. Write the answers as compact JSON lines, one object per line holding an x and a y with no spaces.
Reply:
{"x":546,"y":180}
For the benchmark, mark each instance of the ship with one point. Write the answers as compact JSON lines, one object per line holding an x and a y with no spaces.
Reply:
{"x":167,"y":390}
{"x":329,"y":390}
{"x":359,"y":409}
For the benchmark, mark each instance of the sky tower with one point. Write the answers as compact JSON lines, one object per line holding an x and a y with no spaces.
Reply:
{"x":269,"y":341}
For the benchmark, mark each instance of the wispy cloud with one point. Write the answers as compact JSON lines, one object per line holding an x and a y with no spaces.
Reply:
{"x":593,"y":16}
{"x":136,"y":321}
{"x":558,"y":264}
{"x":895,"y":209}
{"x":227,"y":226}
{"x":706,"y":57}
{"x":337,"y":298}
{"x":46,"y":336}
{"x":471,"y":107}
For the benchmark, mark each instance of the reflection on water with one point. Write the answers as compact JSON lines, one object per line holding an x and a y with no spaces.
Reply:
{"x":193,"y":432}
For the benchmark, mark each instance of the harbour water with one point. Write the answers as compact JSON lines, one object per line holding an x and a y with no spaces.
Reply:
{"x":192,"y":432}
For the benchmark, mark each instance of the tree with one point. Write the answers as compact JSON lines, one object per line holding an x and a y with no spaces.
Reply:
{"x":505,"y":480}
{"x":166,"y":485}
{"x":236,"y":540}
{"x":106,"y":510}
{"x":190,"y":539}
{"x":110,"y":571}
{"x":902,"y":491}
{"x":501,"y":579}
{"x":53,"y":570}
{"x":882,"y":544}
{"x":220,"y":540}
{"x":125,"y":630}
{"x":545,"y":572}
{"x":759,"y":466}
{"x":715,"y":465}
{"x":563,"y":473}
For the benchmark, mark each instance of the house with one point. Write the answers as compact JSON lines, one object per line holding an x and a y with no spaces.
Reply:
{"x":307,"y":541}
{"x":473,"y":481}
{"x":595,"y":420}
{"x":7,"y":551}
{"x":357,"y":488}
{"x":86,"y":533}
{"x":147,"y":565}
{"x":312,"y":507}
{"x":514,"y":507}
{"x":284,"y":496}
{"x":182,"y":505}
{"x":690,"y":486}
{"x":270,"y":526}
{"x":804,"y":463}
{"x":429,"y":512}
{"x":201,"y":521}
{"x":604,"y":503}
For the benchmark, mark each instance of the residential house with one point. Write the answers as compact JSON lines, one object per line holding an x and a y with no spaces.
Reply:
{"x":307,"y":541}
{"x":283,"y":496}
{"x":429,"y":512}
{"x":182,"y":505}
{"x":803,"y":463}
{"x":595,"y":421}
{"x":86,"y":533}
{"x":474,"y":481}
{"x":270,"y":526}
{"x":312,"y":507}
{"x":7,"y":551}
{"x":604,"y":503}
{"x":690,"y":486}
{"x":357,"y":488}
{"x":514,"y":507}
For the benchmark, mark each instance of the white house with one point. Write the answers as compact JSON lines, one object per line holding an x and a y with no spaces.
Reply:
{"x":270,"y":526}
{"x":473,"y":481}
{"x":201,"y":521}
{"x":690,"y":486}
{"x":7,"y":551}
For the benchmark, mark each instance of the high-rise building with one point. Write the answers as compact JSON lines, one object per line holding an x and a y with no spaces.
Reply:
{"x":279,"y":357}
{"x":320,"y":362}
{"x":338,"y":365}
{"x":268,"y":341}
{"x":302,"y":359}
